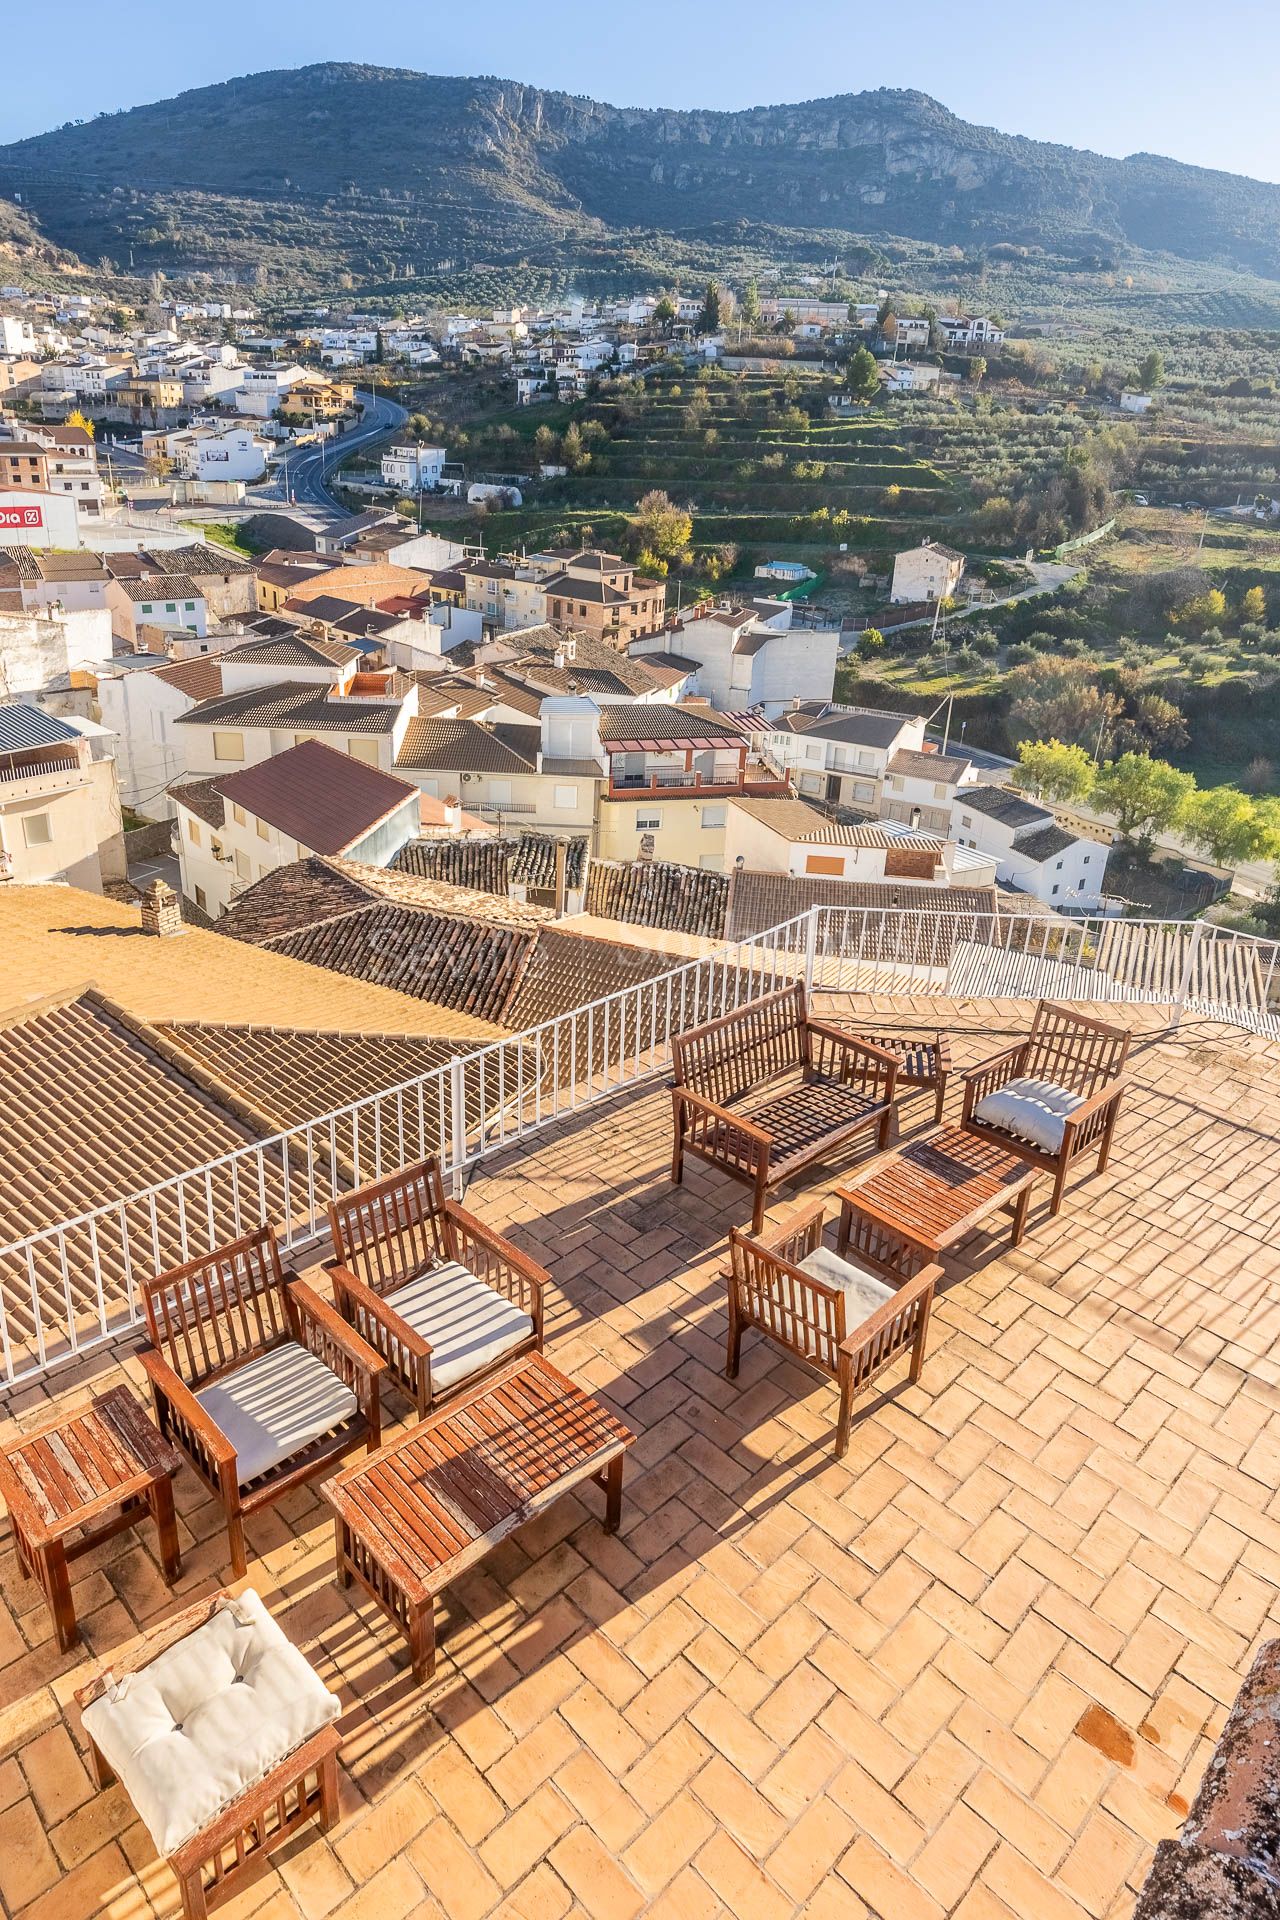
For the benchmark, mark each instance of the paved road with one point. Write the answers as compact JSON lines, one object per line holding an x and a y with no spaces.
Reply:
{"x":302,"y":476}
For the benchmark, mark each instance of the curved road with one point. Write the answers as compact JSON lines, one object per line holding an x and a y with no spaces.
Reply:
{"x":302,"y":476}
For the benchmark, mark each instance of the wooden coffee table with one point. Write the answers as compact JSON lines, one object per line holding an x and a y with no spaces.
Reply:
{"x":412,"y":1517}
{"x":59,"y":1480}
{"x":933,"y":1192}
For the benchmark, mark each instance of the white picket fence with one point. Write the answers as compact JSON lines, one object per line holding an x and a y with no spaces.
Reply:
{"x":74,"y":1284}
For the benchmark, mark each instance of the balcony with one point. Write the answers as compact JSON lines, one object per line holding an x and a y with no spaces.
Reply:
{"x":758,"y":781}
{"x":975,"y":1667}
{"x":50,"y":774}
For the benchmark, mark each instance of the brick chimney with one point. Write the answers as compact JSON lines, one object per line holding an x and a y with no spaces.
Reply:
{"x":161,"y":913}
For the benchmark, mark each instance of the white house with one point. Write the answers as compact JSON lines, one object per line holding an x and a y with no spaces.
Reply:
{"x":265,"y":390}
{"x":749,"y":657}
{"x":238,"y":827}
{"x":962,"y":332}
{"x":841,"y":754}
{"x":140,"y":699}
{"x":910,"y":376}
{"x":926,"y":573}
{"x":218,"y":453}
{"x":1032,"y":852}
{"x":1136,"y":402}
{"x":790,"y":836}
{"x":919,"y":787}
{"x":413,"y":469}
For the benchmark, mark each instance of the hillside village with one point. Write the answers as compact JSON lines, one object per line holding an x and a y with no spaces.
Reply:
{"x":638,"y":1145}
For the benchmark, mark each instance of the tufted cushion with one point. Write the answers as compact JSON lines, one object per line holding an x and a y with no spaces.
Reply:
{"x":274,"y":1406}
{"x":1032,"y":1110}
{"x":207,"y":1719}
{"x":863,"y":1292}
{"x":469,"y":1323}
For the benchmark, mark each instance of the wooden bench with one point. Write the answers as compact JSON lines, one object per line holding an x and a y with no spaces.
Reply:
{"x":732,"y":1105}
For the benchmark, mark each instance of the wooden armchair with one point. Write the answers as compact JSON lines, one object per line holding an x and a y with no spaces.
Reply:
{"x":848,"y":1320}
{"x":442,"y":1298}
{"x":1052,"y":1097}
{"x":255,"y":1378}
{"x":766,"y":1091}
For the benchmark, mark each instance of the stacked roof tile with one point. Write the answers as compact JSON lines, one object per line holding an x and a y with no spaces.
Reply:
{"x":471,"y":966}
{"x":533,"y":860}
{"x":481,"y":864}
{"x":652,"y":893}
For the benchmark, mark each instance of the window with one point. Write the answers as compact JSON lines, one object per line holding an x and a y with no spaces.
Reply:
{"x":202,"y":900}
{"x":499,"y":793}
{"x":1057,"y":866}
{"x":714,"y":816}
{"x":171,"y":606}
{"x":238,"y":813}
{"x":1054,"y":888}
{"x":193,"y":832}
{"x":36,"y":830}
{"x":189,"y":606}
{"x":939,"y":790}
{"x":895,"y":782}
{"x":966,"y":820}
{"x":228,"y":745}
{"x":243,"y":869}
{"x":1085,"y":862}
{"x":648,"y":820}
{"x":829,"y":863}
{"x":263,"y":830}
{"x":566,"y":799}
{"x":365,"y":750}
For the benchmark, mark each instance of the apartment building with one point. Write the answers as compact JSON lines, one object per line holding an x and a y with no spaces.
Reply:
{"x":672,"y":772}
{"x":840,"y":755}
{"x":413,"y":469}
{"x":59,"y":806}
{"x":752,"y":657}
{"x":604,"y":594}
{"x":507,"y":594}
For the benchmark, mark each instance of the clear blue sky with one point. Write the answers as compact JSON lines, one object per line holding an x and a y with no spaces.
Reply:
{"x":1197,"y":82}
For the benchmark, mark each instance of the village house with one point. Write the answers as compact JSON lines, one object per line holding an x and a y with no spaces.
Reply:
{"x":1033,"y":853}
{"x":603,"y":593}
{"x":672,"y":772}
{"x":754,"y":657}
{"x":926,"y":573}
{"x":236,"y":828}
{"x":788,"y":835}
{"x":59,"y":803}
{"x":507,"y":594}
{"x":413,"y":469}
{"x":838,"y":754}
{"x":919,"y":786}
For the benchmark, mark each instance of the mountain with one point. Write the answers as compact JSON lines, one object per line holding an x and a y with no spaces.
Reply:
{"x":384,"y":173}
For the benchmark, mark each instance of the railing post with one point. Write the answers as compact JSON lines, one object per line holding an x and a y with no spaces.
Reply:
{"x":810,"y":952}
{"x":1189,"y":972}
{"x":457,"y":1122}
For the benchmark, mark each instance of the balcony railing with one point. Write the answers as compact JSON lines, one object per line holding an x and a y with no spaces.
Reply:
{"x":757,"y":781}
{"x":74,"y":1284}
{"x":41,"y":770}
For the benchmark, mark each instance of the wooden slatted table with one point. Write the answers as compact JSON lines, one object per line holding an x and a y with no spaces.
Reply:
{"x":60,"y":1479}
{"x":932,"y":1193}
{"x":412,"y":1517}
{"x":924,"y":1060}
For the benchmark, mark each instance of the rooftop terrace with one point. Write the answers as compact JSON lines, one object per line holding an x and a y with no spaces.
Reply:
{"x":974,"y":1669}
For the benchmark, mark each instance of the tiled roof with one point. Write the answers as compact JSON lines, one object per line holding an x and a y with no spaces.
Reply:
{"x":324,"y":800}
{"x":538,"y":646}
{"x":202,"y":798}
{"x":296,"y":650}
{"x":1045,"y":842}
{"x":480,"y":864}
{"x":161,"y":587}
{"x":200,"y":560}
{"x":55,"y":938}
{"x":469,"y":966}
{"x":23,"y":562}
{"x":298,"y":705}
{"x":533,"y":860}
{"x":945,"y":767}
{"x":651,"y":893}
{"x":94,"y":1111}
{"x":795,"y":819}
{"x":199,"y":678}
{"x":642,"y":720}
{"x":308,"y":891}
{"x":56,"y":565}
{"x":466,"y":746}
{"x":760,"y":900}
{"x":861,"y":727}
{"x":1004,"y":805}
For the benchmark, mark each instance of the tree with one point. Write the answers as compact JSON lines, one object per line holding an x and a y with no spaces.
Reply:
{"x":750,"y":308}
{"x":885,"y":313}
{"x":1253,"y":608}
{"x":572,"y":451}
{"x":712,"y":309}
{"x":78,"y":419}
{"x":1147,"y":796}
{"x":1229,"y":827}
{"x":788,"y":321}
{"x":660,"y":527}
{"x":862,"y":375}
{"x":1055,"y":771}
{"x":664,"y":313}
{"x":1059,"y":699}
{"x":871,"y":643}
{"x":1204,"y":611}
{"x":545,"y":445}
{"x":1151,"y":372}
{"x":977,"y":370}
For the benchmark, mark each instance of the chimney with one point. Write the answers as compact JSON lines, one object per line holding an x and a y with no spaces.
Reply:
{"x":560,"y":878}
{"x":161,"y":913}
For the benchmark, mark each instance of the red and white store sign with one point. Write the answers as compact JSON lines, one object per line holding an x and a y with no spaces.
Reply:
{"x":24,"y":519}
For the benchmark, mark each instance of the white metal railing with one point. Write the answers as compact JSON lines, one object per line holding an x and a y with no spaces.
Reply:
{"x":74,"y":1283}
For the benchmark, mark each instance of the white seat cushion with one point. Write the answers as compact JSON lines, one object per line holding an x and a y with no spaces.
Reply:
{"x":274,"y":1406}
{"x":469,"y":1323}
{"x":1032,"y":1110}
{"x":207,"y":1719}
{"x":863,"y":1292}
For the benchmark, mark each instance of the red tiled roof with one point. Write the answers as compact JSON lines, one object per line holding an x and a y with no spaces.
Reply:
{"x":322,"y":799}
